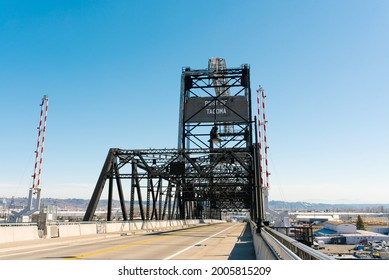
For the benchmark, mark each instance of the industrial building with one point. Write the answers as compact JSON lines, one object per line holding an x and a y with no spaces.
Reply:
{"x":344,"y":233}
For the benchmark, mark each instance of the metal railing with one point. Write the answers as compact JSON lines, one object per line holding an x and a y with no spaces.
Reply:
{"x":282,"y":246}
{"x":267,"y":247}
{"x":17,"y":224}
{"x":302,"y":251}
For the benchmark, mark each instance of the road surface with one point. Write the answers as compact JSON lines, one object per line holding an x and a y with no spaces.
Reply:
{"x":207,"y":242}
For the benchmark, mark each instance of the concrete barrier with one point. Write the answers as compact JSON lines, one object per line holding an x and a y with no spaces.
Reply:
{"x":18,"y":233}
{"x":135,"y":225}
{"x":261,"y":248}
{"x":6,"y":234}
{"x":117,"y":227}
{"x":26,"y":233}
{"x":14,"y":232}
{"x":51,"y":231}
{"x":86,"y":229}
{"x":69,"y":230}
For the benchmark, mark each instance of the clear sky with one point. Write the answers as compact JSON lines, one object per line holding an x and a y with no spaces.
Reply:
{"x":112,"y":72}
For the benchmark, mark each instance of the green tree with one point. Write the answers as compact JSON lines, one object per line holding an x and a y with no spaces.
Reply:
{"x":360,"y":223}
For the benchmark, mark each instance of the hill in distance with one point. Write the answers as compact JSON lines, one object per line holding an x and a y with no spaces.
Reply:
{"x":82,"y":204}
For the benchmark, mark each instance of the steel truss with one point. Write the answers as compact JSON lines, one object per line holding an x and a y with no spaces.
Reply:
{"x":214,"y":169}
{"x":176,"y":184}
{"x":215,"y":88}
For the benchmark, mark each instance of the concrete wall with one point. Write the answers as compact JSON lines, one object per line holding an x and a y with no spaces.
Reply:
{"x":18,"y":233}
{"x":261,"y":248}
{"x":66,"y":230}
{"x":51,"y":231}
{"x":12,"y":233}
{"x":69,"y":230}
{"x":86,"y":229}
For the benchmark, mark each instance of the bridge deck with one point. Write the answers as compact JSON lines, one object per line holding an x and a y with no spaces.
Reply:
{"x":207,"y":242}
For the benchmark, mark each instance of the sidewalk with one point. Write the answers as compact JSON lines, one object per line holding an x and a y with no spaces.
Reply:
{"x":244,"y":248}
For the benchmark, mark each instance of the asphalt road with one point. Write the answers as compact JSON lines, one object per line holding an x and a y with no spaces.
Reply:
{"x":208,"y":242}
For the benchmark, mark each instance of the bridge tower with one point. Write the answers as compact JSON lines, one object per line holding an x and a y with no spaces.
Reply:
{"x":216,"y":115}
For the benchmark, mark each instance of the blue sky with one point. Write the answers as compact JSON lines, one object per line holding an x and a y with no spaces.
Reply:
{"x":112,"y":72}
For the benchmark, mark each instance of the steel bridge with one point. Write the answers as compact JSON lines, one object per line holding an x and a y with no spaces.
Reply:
{"x":215,"y":168}
{"x":177,"y":183}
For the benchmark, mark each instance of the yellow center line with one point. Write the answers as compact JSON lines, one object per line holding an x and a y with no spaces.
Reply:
{"x":117,"y":248}
{"x":82,"y":256}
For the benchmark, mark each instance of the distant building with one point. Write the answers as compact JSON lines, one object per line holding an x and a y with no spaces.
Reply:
{"x":381,"y":230}
{"x":344,"y":233}
{"x":309,"y":219}
{"x":340,"y":228}
{"x":363,"y":236}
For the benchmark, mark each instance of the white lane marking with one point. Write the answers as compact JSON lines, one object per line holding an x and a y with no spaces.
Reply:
{"x":191,"y":246}
{"x":31,"y":252}
{"x":66,"y":244}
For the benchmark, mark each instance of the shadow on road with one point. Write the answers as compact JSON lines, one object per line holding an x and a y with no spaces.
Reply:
{"x":244,"y":248}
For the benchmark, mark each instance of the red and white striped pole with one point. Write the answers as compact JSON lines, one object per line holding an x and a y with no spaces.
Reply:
{"x":260,"y":137}
{"x":265,"y":139}
{"x":40,"y":144}
{"x":263,"y":147}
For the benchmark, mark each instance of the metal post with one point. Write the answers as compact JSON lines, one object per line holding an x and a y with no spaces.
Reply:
{"x":110,"y":192}
{"x":120,"y":191}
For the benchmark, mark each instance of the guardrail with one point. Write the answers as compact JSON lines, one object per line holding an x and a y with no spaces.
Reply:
{"x":17,"y":224}
{"x":281,"y":246}
{"x":66,"y":229}
{"x":268,"y":248}
{"x":302,"y":251}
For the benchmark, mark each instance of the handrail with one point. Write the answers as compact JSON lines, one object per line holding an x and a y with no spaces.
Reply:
{"x":269,"y":248}
{"x":301,"y":250}
{"x":17,"y":224}
{"x":280,"y":249}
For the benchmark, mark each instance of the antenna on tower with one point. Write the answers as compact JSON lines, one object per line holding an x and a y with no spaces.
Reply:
{"x":33,"y":204}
